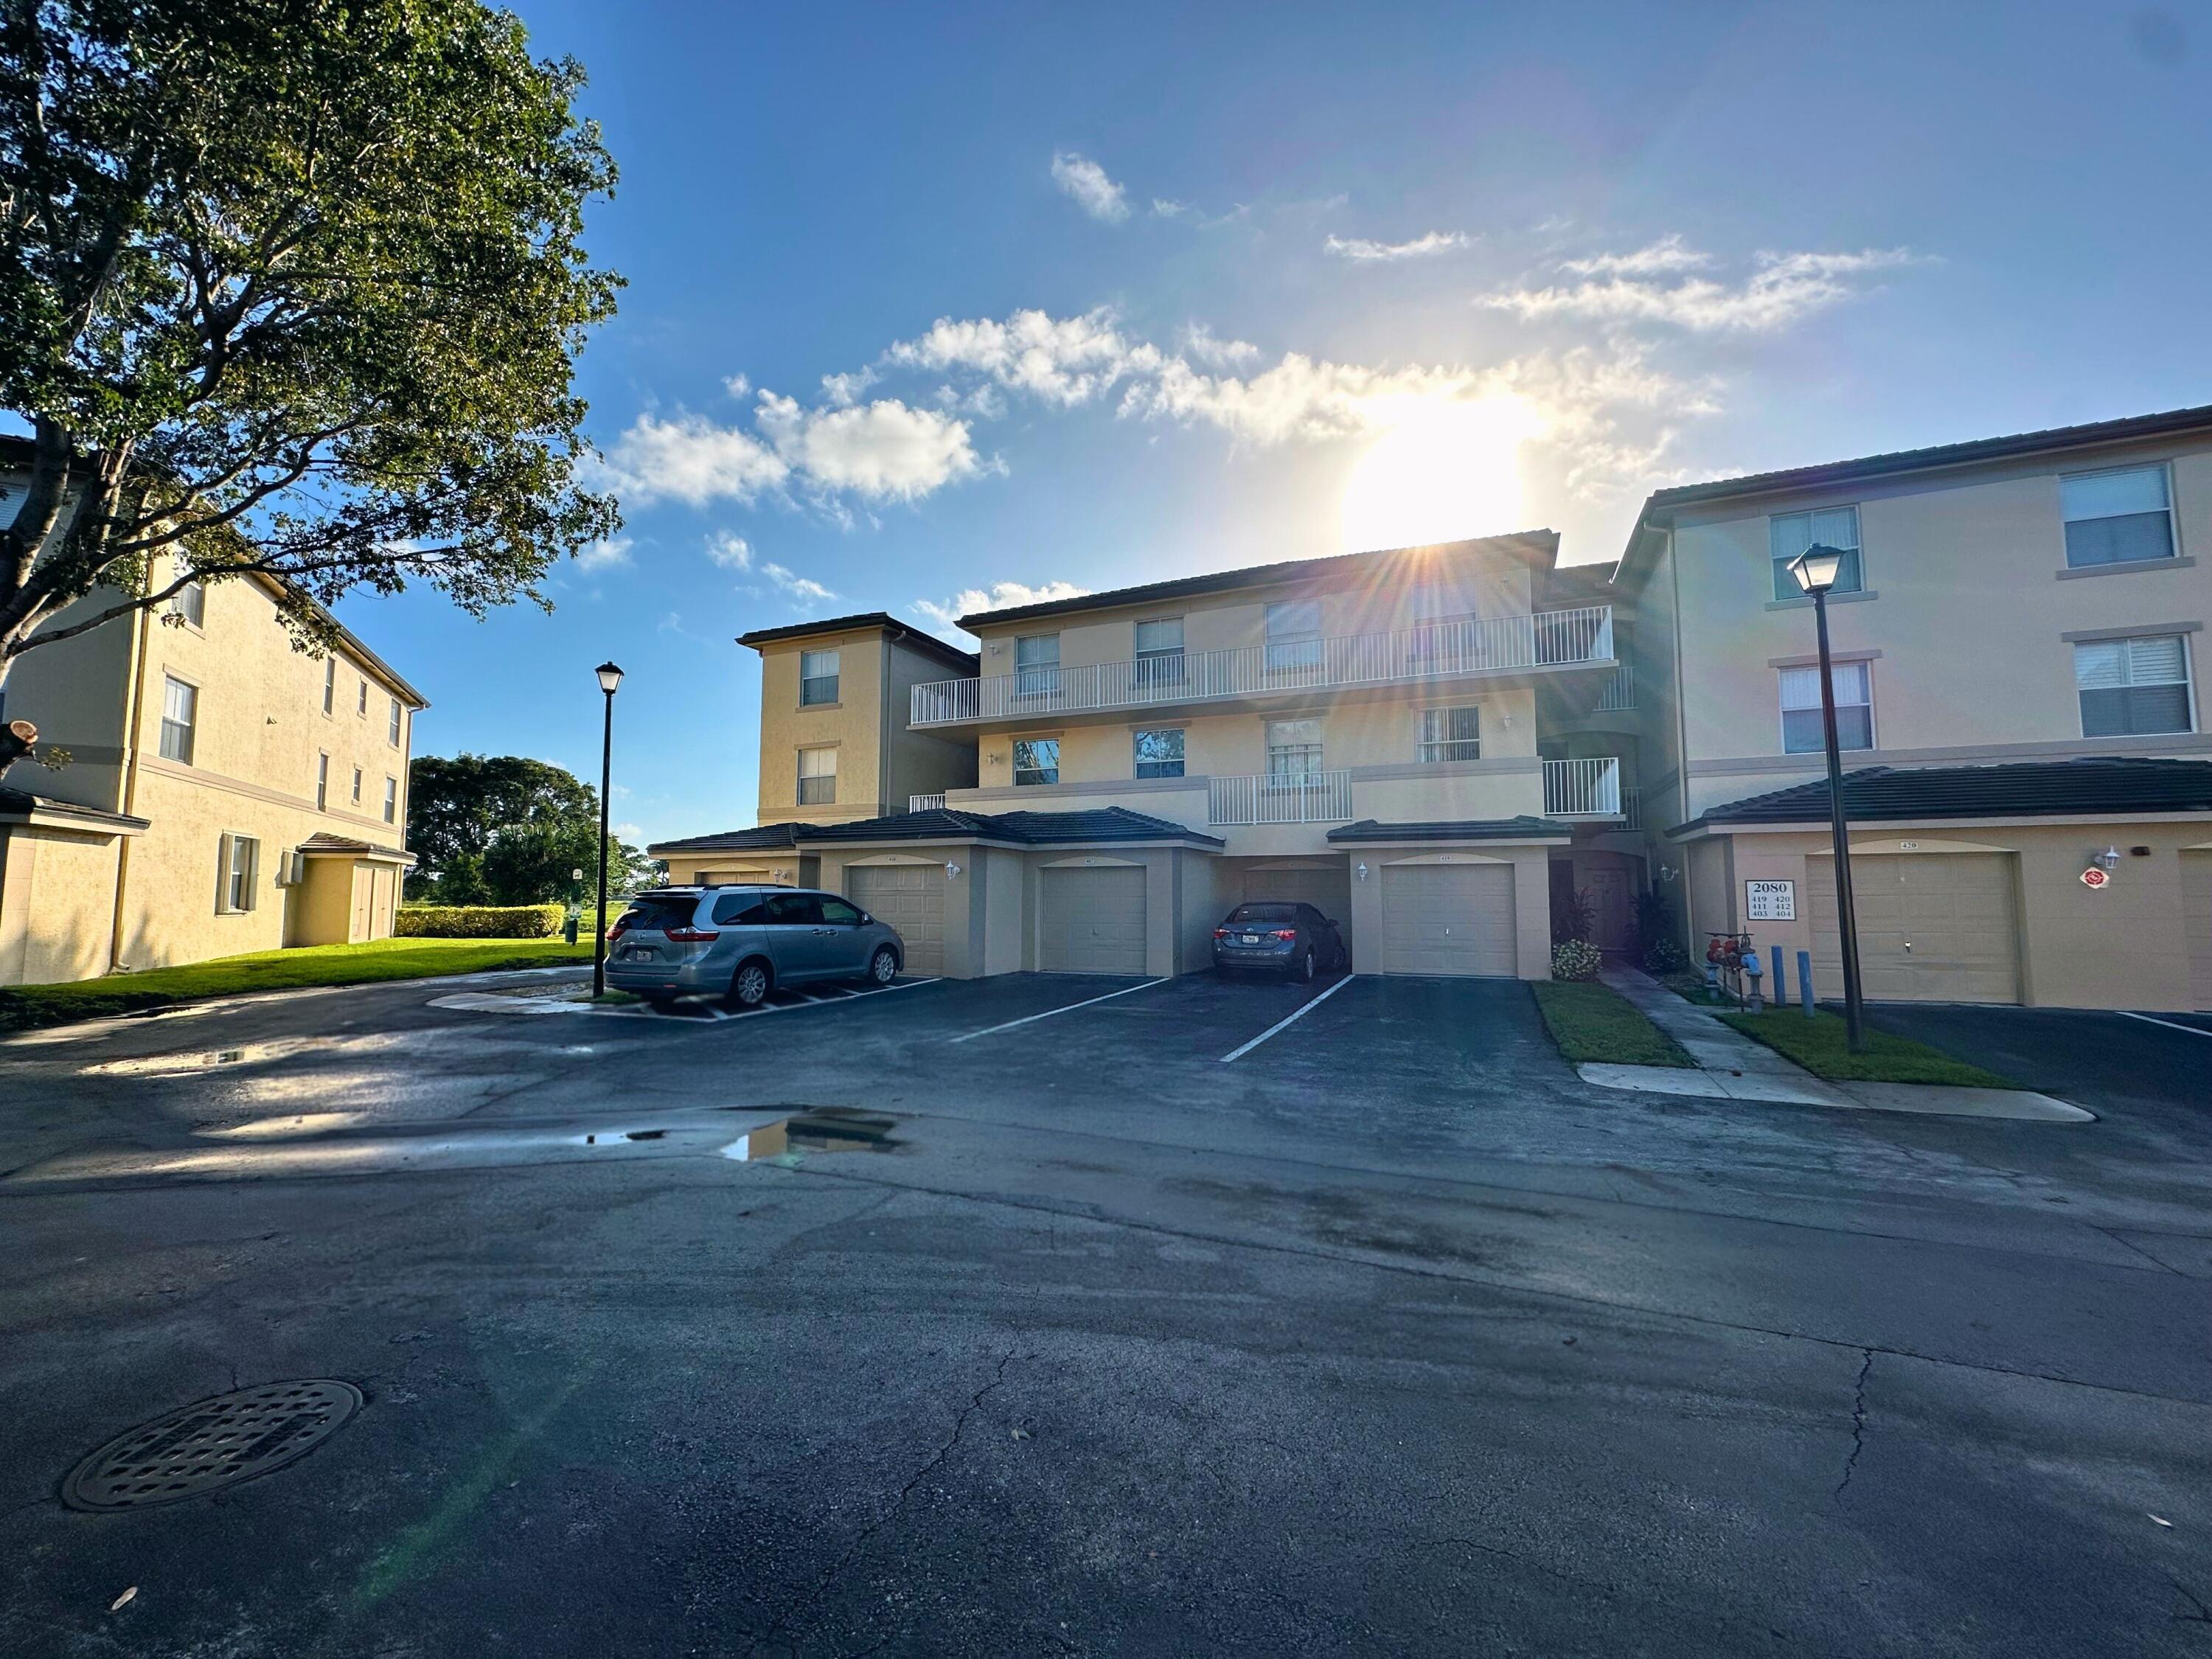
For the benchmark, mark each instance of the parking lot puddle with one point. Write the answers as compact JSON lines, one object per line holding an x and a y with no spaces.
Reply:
{"x":822,"y":1129}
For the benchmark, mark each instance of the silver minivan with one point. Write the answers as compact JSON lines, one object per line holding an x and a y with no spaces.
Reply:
{"x":740,"y":942}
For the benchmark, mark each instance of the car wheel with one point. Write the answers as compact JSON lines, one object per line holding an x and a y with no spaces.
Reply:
{"x":883,"y":967}
{"x":1342,"y":964}
{"x":749,"y":986}
{"x":1306,"y":964}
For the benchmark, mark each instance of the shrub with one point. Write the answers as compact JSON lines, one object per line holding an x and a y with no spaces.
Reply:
{"x":1665,"y":955}
{"x":1575,"y":958}
{"x":478,"y":920}
{"x":1573,"y":917}
{"x":1660,"y":949}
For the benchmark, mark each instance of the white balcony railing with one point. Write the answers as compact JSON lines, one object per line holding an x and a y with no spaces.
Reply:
{"x":925,"y":803}
{"x":1619,"y":692}
{"x":1582,"y":788}
{"x":1281,"y":797}
{"x":1632,"y":807}
{"x":1552,"y":638}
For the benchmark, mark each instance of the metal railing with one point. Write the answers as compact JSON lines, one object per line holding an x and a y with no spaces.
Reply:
{"x":1632,"y":807}
{"x":925,"y":803}
{"x":1552,"y":638}
{"x":1619,"y":692}
{"x":1582,"y":788}
{"x":1281,"y":797}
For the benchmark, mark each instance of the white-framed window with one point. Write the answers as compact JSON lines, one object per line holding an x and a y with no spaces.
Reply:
{"x":1294,"y":641}
{"x":181,"y":717}
{"x":361,"y":706}
{"x":817,"y":776}
{"x":356,"y":786}
{"x":817,"y":677}
{"x":1451,"y":734}
{"x":1789,"y":534}
{"x":391,"y":800}
{"x":1294,"y":750}
{"x":237,"y":863}
{"x":189,"y":603}
{"x":1036,"y":665}
{"x":1159,"y":653}
{"x":322,"y":782}
{"x":330,"y":684}
{"x":1444,"y":627}
{"x":2133,"y":687}
{"x":1036,"y":759}
{"x":1801,"y":733}
{"x":2120,"y":516}
{"x":391,"y":731}
{"x":1159,"y":752}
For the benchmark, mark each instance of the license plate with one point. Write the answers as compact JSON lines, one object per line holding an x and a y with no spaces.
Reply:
{"x":1248,"y":939}
{"x":644,"y":954}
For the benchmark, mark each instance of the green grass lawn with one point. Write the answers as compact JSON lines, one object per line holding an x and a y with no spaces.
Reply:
{"x":278,"y":970}
{"x":1591,"y":1022}
{"x":1817,"y":1044}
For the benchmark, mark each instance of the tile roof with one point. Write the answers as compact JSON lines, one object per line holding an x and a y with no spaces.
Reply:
{"x":1091,"y":827}
{"x":22,"y":803}
{"x":323,"y":842}
{"x":1521,"y":828}
{"x":766,"y":836}
{"x":2117,"y":786}
{"x":904,"y":633}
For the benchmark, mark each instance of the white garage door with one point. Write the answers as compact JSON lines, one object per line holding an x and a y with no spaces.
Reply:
{"x":1328,"y":891}
{"x":1448,"y":918}
{"x":1933,"y":926}
{"x":911,"y":898}
{"x":1092,"y":920}
{"x":2196,"y":924}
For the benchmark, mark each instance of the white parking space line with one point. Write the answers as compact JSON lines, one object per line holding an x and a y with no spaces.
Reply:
{"x":1069,"y":1008}
{"x":2193,"y":1030}
{"x":1291,"y":1019}
{"x":824,"y":1001}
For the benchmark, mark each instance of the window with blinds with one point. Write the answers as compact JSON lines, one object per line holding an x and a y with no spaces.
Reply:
{"x":1451,"y":734}
{"x":817,"y":776}
{"x":1801,"y":731}
{"x":2121,"y":517}
{"x":1789,"y":534}
{"x":817,"y":677}
{"x":181,"y":714}
{"x":2134,"y":687}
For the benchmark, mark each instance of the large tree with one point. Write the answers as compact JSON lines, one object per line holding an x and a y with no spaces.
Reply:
{"x":506,"y":830}
{"x":293,"y":287}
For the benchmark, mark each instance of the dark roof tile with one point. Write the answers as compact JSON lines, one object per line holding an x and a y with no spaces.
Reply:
{"x":2118,"y":786}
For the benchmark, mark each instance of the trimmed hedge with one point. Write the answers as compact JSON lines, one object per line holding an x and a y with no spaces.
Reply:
{"x":478,"y":920}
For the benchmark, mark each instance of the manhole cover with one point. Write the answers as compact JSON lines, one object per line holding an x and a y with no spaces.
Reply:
{"x":215,"y":1444}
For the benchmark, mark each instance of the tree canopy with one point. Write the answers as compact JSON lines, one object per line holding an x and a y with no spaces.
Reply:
{"x":505,"y":829}
{"x":295,"y":286}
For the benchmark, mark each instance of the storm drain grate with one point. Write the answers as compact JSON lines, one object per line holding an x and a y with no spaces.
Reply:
{"x":217,"y":1442}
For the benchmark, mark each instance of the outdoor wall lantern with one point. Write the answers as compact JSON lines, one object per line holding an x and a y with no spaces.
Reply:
{"x":2109,"y":858}
{"x":1363,"y":872}
{"x":951,"y":869}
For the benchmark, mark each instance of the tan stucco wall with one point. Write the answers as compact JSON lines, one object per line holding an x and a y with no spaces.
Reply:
{"x":57,"y":899}
{"x":785,"y":869}
{"x":854,"y":725}
{"x":2125,"y":946}
{"x":1532,"y":893}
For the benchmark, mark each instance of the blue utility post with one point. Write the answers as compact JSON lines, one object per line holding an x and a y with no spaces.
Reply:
{"x":1805,"y":980}
{"x":1781,"y":979}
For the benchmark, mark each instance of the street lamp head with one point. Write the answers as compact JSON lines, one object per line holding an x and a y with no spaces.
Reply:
{"x":1817,"y":567}
{"x":609,"y":677}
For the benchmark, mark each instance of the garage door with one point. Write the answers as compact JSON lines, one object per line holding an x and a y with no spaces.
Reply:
{"x":911,"y":898}
{"x":1933,"y":926}
{"x":2197,"y":922}
{"x":1448,"y":918}
{"x":1328,"y":891}
{"x":1092,"y":921}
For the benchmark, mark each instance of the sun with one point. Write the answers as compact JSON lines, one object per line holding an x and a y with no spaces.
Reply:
{"x":1439,"y":472}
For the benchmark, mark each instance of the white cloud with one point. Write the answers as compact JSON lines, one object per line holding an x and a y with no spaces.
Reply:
{"x":604,"y":555}
{"x":1200,"y":342}
{"x":1782,"y":289}
{"x":800,"y":587}
{"x":691,"y":459}
{"x":1666,"y":254}
{"x":737,"y":385}
{"x":943,"y":615}
{"x":842,"y":389}
{"x":1062,"y":360}
{"x":1163,"y":209}
{"x":1359,"y":248}
{"x":730,"y":550}
{"x":884,"y":450}
{"x":1084,"y":179}
{"x":629,"y":832}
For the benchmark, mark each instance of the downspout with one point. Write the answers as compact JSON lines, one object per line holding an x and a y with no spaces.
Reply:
{"x":1681,"y":744}
{"x":140,"y":653}
{"x":889,"y":647}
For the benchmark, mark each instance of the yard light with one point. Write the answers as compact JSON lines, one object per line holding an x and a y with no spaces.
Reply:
{"x":609,"y":677}
{"x":1815,"y":571}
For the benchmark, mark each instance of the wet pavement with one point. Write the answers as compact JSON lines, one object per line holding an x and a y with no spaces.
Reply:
{"x":1196,"y":1316}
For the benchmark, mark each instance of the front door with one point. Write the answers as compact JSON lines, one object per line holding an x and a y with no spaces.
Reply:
{"x":364,"y":894}
{"x":1610,"y":904}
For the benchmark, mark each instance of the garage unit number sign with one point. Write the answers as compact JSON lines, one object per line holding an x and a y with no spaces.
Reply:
{"x":1769,"y":901}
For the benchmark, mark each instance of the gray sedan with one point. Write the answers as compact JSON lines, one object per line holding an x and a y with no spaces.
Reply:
{"x":740,"y":942}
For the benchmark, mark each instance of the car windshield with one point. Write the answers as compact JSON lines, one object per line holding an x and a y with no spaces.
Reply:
{"x":1274,"y":913}
{"x":657,"y":913}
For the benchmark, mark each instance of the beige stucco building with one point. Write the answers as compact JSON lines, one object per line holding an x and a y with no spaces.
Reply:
{"x":2016,"y":635}
{"x":222,"y":794}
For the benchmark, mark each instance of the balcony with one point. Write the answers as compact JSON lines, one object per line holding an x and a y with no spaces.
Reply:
{"x":1548,"y":639}
{"x":1281,"y":797}
{"x":1620,"y":692}
{"x":925,"y":803}
{"x":1582,"y":788}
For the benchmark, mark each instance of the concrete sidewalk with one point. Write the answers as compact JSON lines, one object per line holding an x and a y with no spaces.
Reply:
{"x":1731,"y":1066}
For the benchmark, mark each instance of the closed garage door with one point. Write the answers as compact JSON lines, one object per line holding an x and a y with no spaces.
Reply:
{"x":911,"y":898}
{"x":1093,"y":921}
{"x":2196,"y":920}
{"x":1448,"y":918}
{"x":1933,"y":926}
{"x":1328,"y":891}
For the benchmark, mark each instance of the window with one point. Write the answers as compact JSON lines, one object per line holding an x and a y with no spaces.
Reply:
{"x":330,"y":683}
{"x":1036,"y":759}
{"x":1294,"y":646}
{"x":190,"y":602}
{"x":740,"y":910}
{"x":1451,"y":734}
{"x":1800,"y":708}
{"x":391,"y":801}
{"x":1441,"y":634}
{"x":1036,"y":665}
{"x":1293,"y":751}
{"x":817,"y":776}
{"x":356,"y":786}
{"x":837,"y":913}
{"x":1160,"y":655}
{"x":181,"y":712}
{"x":361,"y":708}
{"x":2117,"y":518}
{"x":322,"y":782}
{"x":240,"y":856}
{"x":794,"y":910}
{"x":1789,"y":534}
{"x":391,"y":731}
{"x":1159,"y":754}
{"x":2130,"y":688}
{"x":817,"y":677}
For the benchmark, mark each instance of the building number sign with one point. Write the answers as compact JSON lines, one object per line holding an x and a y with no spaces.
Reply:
{"x":1769,"y":901}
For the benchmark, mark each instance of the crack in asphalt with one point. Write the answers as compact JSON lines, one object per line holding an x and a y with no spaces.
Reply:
{"x":1858,"y":1422}
{"x":815,"y":1591}
{"x":2198,"y":1614}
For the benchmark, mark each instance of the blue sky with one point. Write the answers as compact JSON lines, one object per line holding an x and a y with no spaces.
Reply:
{"x":928,"y":303}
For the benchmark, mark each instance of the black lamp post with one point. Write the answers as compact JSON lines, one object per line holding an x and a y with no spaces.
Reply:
{"x":609,"y":678}
{"x":1815,"y":570}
